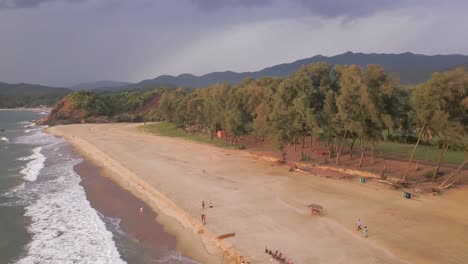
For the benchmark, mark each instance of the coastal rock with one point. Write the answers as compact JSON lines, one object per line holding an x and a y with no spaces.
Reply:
{"x":63,"y":113}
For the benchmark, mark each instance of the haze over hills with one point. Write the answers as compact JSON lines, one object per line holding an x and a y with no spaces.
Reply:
{"x":99,"y":84}
{"x":29,"y":95}
{"x":410,"y":68}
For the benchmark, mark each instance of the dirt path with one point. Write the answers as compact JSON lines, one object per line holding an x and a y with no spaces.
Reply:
{"x":265,"y":205}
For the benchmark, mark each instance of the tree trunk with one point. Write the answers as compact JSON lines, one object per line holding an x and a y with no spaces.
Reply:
{"x":363,"y":149}
{"x":372,"y":151}
{"x":283,"y":153}
{"x":339,"y":148}
{"x":441,"y":158}
{"x":330,"y":149}
{"x":384,"y":169}
{"x":351,"y":148}
{"x":414,"y":150}
{"x":302,"y":146}
{"x":295,"y":141}
{"x":303,"y":141}
{"x":441,"y":186}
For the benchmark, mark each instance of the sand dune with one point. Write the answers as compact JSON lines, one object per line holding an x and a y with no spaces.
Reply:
{"x":265,"y":205}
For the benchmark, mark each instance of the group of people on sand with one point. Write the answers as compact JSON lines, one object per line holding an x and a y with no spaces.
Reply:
{"x":278,"y":256}
{"x":359,"y":227}
{"x":203,"y":214}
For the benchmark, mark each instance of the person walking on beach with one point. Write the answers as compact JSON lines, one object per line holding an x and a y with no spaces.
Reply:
{"x":203,"y":205}
{"x":359,"y":224}
{"x":141,"y":210}
{"x":203,"y":218}
{"x":365,"y":231}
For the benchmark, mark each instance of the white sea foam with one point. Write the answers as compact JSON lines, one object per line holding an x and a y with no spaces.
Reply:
{"x":14,"y":190}
{"x":37,"y":137}
{"x":30,"y":124}
{"x":43,"y":113}
{"x":175,"y":257}
{"x":34,"y":166}
{"x":31,"y":130}
{"x":4,"y":139}
{"x":64,"y":226}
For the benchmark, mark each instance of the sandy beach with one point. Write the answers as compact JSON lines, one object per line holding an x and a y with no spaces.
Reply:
{"x":265,"y":205}
{"x":113,"y":201}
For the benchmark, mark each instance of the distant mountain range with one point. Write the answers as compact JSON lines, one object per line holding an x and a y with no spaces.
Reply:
{"x":29,"y":95}
{"x":99,"y":85}
{"x":410,"y":68}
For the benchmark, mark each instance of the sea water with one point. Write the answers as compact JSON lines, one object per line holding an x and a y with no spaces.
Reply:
{"x":44,"y":214}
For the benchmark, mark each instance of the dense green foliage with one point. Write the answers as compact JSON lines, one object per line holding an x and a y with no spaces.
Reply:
{"x":28,"y":95}
{"x":340,"y":104}
{"x":110,"y":104}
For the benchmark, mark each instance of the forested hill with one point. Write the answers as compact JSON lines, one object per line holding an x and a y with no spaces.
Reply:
{"x":29,"y":95}
{"x":410,"y":68}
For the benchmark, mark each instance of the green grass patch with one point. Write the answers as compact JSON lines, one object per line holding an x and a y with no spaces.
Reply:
{"x":170,"y":130}
{"x":404,"y":151}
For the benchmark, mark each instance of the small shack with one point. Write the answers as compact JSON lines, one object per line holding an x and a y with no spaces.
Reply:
{"x":221,"y":134}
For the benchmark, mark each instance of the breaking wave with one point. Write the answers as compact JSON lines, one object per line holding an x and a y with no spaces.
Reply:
{"x":34,"y":166}
{"x":64,"y":226}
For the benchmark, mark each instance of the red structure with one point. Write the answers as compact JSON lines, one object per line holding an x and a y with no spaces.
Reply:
{"x":221,"y":134}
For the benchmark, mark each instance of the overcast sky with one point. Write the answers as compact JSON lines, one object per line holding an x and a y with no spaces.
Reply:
{"x":64,"y":42}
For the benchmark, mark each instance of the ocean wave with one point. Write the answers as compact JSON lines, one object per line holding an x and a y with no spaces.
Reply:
{"x":43,"y":113}
{"x":38,"y":138}
{"x":15,"y":189}
{"x":31,"y":130}
{"x":30,"y":124}
{"x":64,"y":227}
{"x":34,"y":166}
{"x":4,"y":139}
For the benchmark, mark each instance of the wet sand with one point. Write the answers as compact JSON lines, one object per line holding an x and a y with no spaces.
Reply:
{"x":113,"y":201}
{"x":265,"y":205}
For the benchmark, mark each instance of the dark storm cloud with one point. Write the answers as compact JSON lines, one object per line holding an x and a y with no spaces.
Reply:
{"x":57,"y":42}
{"x":349,"y":8}
{"x":323,"y":8}
{"x":28,"y":3}
{"x":215,"y":4}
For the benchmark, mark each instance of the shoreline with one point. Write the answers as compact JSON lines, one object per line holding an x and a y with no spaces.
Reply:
{"x":34,"y":109}
{"x":197,"y":245}
{"x":151,"y":240}
{"x":263,"y":203}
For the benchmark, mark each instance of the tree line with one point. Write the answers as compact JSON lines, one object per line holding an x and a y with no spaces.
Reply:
{"x":347,"y":106}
